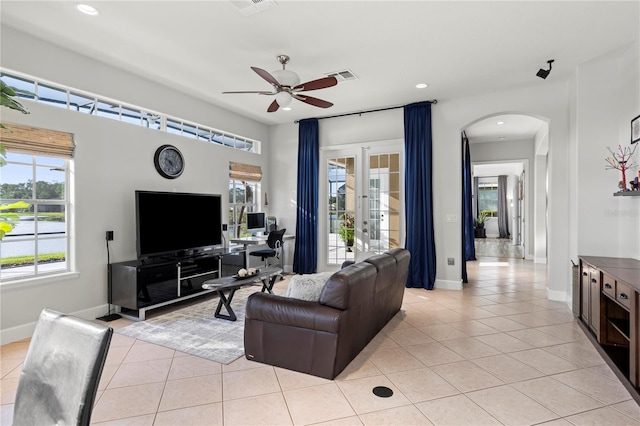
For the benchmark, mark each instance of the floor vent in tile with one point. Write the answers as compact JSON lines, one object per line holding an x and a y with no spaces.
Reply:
{"x":382,"y":391}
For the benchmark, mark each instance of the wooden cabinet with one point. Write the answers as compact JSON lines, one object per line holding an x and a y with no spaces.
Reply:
{"x":610,"y":301}
{"x":590,"y":296}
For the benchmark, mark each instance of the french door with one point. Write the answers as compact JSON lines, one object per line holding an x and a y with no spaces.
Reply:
{"x":361,"y":202}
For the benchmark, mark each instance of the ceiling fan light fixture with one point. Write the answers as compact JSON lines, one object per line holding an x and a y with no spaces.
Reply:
{"x":286,"y":78}
{"x":283,"y":99}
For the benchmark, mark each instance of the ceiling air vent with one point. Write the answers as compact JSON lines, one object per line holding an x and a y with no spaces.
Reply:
{"x":249,"y":7}
{"x":343,"y":75}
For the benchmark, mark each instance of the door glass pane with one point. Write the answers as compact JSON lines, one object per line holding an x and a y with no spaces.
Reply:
{"x":384,"y":202}
{"x":342,"y":209}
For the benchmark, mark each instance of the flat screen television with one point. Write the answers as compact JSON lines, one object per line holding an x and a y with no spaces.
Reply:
{"x":176,"y":223}
{"x":256,"y":222}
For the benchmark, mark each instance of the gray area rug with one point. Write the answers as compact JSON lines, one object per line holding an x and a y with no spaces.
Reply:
{"x":195,"y":330}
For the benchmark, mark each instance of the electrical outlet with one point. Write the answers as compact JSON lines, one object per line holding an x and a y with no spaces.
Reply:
{"x":109,"y":235}
{"x":451,"y":261}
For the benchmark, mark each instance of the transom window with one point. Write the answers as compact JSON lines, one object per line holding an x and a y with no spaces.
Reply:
{"x":87,"y":103}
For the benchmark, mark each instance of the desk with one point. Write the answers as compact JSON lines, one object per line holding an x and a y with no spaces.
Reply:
{"x":262,"y":239}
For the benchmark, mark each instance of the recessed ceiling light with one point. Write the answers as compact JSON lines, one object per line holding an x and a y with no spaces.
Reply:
{"x":500,"y":123}
{"x":422,"y":85}
{"x":502,"y":138}
{"x":286,"y":109}
{"x":88,"y":10}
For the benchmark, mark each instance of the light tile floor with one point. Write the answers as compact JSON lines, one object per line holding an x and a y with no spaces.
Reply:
{"x":496,"y":353}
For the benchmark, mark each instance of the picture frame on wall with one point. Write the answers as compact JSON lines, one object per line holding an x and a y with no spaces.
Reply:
{"x":635,"y":129}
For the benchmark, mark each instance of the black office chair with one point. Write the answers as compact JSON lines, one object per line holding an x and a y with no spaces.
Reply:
{"x":274,"y":241}
{"x":61,"y":371}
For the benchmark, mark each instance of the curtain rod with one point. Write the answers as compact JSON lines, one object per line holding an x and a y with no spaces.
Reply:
{"x":434,"y":101}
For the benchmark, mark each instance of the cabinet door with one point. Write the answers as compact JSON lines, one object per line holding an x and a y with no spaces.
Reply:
{"x":594,"y":301}
{"x":584,"y":293}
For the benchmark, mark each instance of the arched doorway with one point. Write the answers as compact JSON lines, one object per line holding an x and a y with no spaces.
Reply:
{"x":513,"y":145}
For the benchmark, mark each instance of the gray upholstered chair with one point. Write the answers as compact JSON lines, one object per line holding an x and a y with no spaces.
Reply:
{"x":61,"y":371}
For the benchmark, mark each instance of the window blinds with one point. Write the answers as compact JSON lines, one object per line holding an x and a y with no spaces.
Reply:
{"x":245,"y":172}
{"x":33,"y":140}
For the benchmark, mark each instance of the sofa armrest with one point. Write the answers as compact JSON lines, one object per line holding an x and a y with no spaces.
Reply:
{"x":276,"y":309}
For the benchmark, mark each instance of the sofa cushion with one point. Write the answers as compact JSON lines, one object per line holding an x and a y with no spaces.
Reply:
{"x":336,"y":293}
{"x":307,"y":286}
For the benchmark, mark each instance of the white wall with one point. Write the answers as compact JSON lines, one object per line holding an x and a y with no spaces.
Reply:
{"x":608,"y":98}
{"x":112,"y":160}
{"x":543,"y":98}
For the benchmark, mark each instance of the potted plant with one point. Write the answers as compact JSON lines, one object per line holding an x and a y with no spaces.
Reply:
{"x":480,"y":219}
{"x":479,"y":231}
{"x":347,"y":230}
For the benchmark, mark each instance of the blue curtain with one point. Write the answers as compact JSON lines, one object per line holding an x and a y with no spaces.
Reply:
{"x":418,"y":197}
{"x":468,"y":238}
{"x":305,"y":258}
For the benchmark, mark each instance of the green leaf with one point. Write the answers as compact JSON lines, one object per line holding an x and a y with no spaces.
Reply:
{"x":10,"y":103}
{"x":8,"y":90}
{"x":16,"y":205}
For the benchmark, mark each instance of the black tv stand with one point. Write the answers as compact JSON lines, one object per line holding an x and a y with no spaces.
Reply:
{"x":141,"y":285}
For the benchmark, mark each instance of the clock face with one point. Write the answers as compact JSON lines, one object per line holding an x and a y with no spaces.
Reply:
{"x":169,"y":161}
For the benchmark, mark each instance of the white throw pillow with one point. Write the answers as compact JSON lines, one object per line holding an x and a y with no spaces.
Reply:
{"x":307,"y":286}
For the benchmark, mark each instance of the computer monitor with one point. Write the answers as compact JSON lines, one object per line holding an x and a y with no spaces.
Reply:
{"x":256,"y":222}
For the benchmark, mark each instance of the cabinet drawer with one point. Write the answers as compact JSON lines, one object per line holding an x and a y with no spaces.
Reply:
{"x":623,"y":294}
{"x":609,"y":286}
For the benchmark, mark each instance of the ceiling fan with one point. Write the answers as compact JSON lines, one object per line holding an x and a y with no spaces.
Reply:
{"x":286,"y":85}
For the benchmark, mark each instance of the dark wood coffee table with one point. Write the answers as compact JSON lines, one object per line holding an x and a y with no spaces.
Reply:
{"x":267,"y":277}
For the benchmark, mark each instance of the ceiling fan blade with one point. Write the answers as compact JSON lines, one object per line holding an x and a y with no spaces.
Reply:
{"x":259,"y":92}
{"x":273,"y":107}
{"x":320,"y":83}
{"x":313,"y":101}
{"x":264,"y":74}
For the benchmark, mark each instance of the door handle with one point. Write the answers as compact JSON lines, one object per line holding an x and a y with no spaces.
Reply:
{"x":623,"y":296}
{"x":364,"y":230}
{"x":607,"y":285}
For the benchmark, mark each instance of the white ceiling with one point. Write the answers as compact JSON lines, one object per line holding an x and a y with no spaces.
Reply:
{"x":458,"y":48}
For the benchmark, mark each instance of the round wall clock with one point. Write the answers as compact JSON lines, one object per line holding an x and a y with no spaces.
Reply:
{"x":169,"y":161}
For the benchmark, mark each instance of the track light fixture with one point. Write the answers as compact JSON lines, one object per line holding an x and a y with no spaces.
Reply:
{"x":544,"y":73}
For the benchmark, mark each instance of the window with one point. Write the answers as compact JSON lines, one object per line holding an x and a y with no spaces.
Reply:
{"x":242,"y":200}
{"x":90,"y":104}
{"x":38,"y":244}
{"x":488,"y":199}
{"x":244,"y":188}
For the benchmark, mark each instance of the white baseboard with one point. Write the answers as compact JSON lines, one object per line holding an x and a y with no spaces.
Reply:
{"x":558,"y":296}
{"x":25,"y":331}
{"x":542,"y":260}
{"x":448,"y":284}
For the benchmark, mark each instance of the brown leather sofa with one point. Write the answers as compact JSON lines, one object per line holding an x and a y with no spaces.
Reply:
{"x":321,"y":338}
